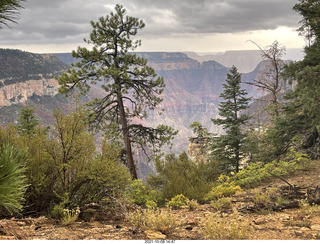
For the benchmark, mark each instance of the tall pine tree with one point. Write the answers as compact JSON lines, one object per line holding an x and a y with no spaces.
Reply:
{"x":228,"y":148}
{"x":131,"y":86}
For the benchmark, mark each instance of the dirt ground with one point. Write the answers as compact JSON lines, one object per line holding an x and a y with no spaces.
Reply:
{"x":287,"y":224}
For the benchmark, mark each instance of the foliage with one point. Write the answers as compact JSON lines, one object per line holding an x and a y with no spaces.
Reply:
{"x":13,"y":182}
{"x":256,"y":173}
{"x":309,"y":209}
{"x":222,"y":203}
{"x":131,"y":86}
{"x":265,"y":200}
{"x":9,"y":9}
{"x":198,"y":129}
{"x":160,"y":220}
{"x":27,"y":122}
{"x":178,"y":201}
{"x":228,"y":148}
{"x":151,"y":204}
{"x":224,"y":188}
{"x":192,"y":205}
{"x":216,"y":228}
{"x":139,"y":194}
{"x":66,"y":216}
{"x":70,"y":149}
{"x":179,"y":175}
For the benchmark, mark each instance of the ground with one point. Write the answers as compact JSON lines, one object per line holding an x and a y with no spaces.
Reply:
{"x":286,"y":224}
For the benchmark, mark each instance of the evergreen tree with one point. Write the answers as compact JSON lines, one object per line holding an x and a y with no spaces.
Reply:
{"x":228,"y":148}
{"x":131,"y":86}
{"x":9,"y":10}
{"x":303,"y":111}
{"x":27,"y":122}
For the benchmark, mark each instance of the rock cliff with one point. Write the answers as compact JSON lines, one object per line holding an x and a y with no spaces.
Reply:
{"x":26,"y":74}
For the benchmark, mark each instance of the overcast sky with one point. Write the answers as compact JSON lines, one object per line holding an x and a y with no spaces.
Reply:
{"x":171,"y":25}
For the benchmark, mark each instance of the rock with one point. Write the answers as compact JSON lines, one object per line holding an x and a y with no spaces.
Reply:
{"x":192,"y":222}
{"x":315,"y":227}
{"x":260,"y":221}
{"x":299,"y":216}
{"x":154,"y":235}
{"x":304,"y":229}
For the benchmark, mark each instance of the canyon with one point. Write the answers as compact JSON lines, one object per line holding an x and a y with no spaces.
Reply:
{"x":191,"y":93}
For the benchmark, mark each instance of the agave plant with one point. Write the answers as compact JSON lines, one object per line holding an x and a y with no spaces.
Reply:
{"x":13,"y":182}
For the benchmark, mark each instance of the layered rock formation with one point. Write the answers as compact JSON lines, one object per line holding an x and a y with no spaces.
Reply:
{"x":26,"y":74}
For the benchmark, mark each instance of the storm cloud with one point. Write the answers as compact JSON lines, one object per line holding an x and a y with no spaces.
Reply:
{"x":68,"y":21}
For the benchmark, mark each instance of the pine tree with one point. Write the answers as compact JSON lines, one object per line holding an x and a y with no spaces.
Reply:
{"x":228,"y":148}
{"x":132,"y":87}
{"x":9,"y":10}
{"x":303,"y":111}
{"x":27,"y":122}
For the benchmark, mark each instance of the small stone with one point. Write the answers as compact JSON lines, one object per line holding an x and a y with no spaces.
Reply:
{"x":298,"y":233}
{"x":304,"y":229}
{"x":315,"y":227}
{"x":154,"y":235}
{"x":260,"y":221}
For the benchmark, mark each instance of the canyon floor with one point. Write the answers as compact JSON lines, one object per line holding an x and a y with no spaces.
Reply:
{"x":287,"y":224}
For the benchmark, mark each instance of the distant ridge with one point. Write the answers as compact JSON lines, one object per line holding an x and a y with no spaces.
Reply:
{"x":245,"y":60}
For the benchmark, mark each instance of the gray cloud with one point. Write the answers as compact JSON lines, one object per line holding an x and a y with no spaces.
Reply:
{"x":68,"y":21}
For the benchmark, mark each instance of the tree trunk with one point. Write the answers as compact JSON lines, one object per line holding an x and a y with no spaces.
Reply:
{"x":126,"y":139}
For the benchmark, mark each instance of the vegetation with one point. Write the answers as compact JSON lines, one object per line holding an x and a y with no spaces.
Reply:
{"x":225,"y":230}
{"x":9,"y":9}
{"x":179,"y":175}
{"x":228,"y":148}
{"x":13,"y":182}
{"x":59,"y":170}
{"x":132,"y":87}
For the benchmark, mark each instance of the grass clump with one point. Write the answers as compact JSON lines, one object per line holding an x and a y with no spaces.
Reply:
{"x":216,"y":228}
{"x":151,"y":219}
{"x":220,"y":204}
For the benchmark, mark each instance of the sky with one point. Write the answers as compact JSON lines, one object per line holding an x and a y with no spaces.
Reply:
{"x":203,"y":26}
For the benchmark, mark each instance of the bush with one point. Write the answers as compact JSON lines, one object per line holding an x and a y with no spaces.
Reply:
{"x":139,"y":194}
{"x":66,"y":216}
{"x":192,"y":205}
{"x":224,"y":188}
{"x":163,"y":221}
{"x":178,"y":201}
{"x":216,"y":228}
{"x":256,"y":172}
{"x":221,"y":204}
{"x":179,"y":175}
{"x":151,"y":204}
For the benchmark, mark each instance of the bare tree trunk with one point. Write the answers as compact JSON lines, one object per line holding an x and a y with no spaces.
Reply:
{"x":126,"y":139}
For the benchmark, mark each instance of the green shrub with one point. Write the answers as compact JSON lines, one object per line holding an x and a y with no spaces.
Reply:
{"x":65,"y":215}
{"x":139,"y":194}
{"x":221,"y":204}
{"x":180,"y":175}
{"x":151,"y":204}
{"x":224,"y":188}
{"x":178,"y":201}
{"x":256,"y":173}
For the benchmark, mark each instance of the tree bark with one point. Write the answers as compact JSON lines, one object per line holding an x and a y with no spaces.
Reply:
{"x":126,"y":139}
